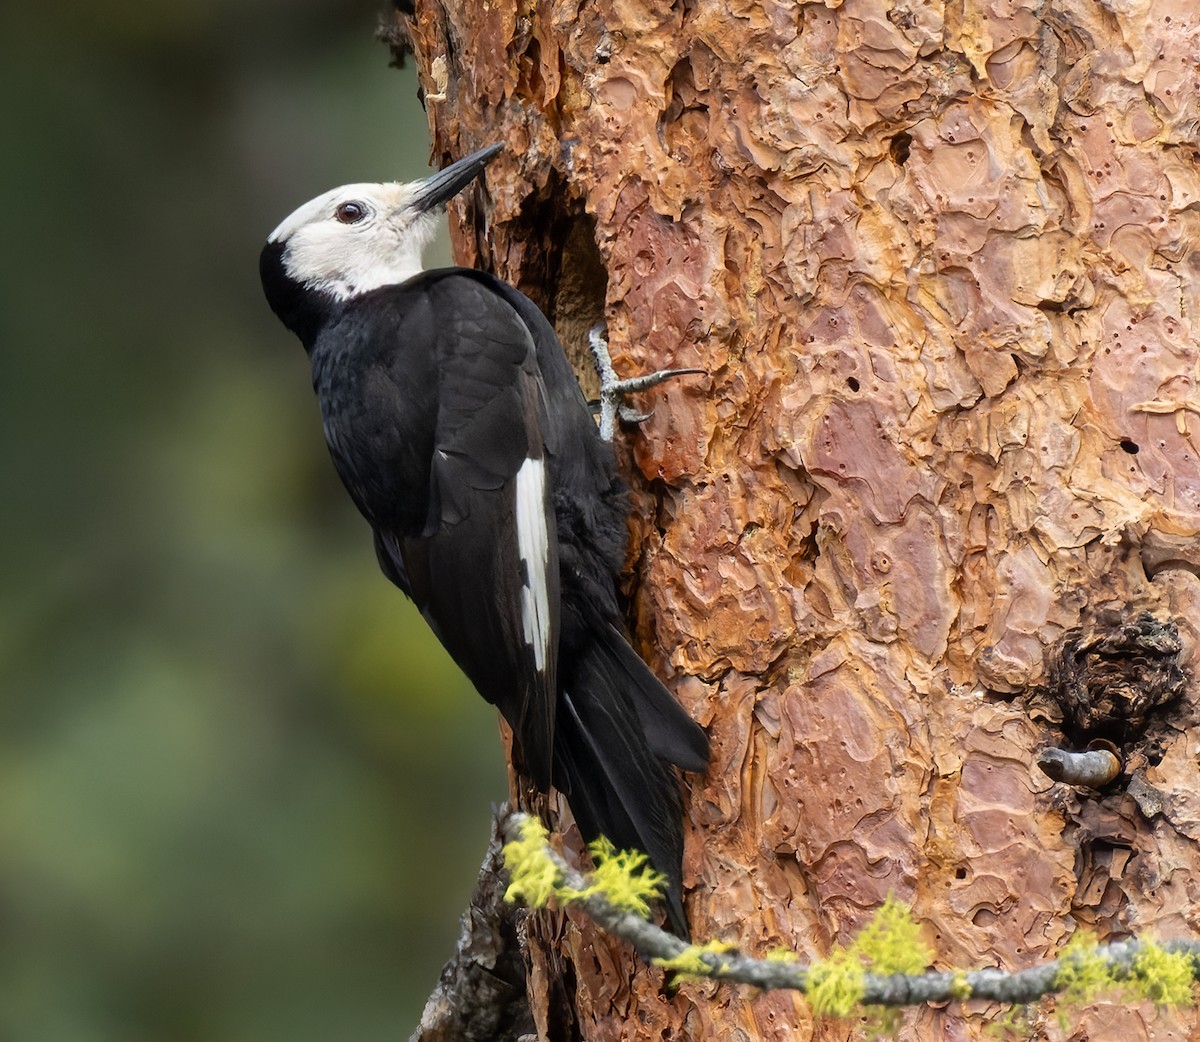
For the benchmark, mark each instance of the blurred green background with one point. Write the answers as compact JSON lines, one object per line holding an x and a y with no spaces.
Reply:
{"x":243,"y":794}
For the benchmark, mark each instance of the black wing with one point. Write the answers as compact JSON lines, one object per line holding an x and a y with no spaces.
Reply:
{"x":458,"y":427}
{"x":485,"y":570}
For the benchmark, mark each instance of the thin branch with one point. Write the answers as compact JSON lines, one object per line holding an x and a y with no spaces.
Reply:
{"x":1094,"y":769}
{"x":1002,"y":986}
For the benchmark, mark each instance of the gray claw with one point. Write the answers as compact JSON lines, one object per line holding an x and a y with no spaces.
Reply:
{"x":612,"y":389}
{"x":627,"y":414}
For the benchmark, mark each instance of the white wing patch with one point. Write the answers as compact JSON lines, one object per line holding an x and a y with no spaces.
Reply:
{"x":533,"y":545}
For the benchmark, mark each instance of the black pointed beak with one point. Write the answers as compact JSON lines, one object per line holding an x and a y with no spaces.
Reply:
{"x":445,"y":184}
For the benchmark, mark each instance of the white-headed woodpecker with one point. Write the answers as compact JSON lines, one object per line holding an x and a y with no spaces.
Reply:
{"x":460,"y":432}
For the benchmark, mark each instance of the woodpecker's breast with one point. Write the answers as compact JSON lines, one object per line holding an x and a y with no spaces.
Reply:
{"x":378,"y":395}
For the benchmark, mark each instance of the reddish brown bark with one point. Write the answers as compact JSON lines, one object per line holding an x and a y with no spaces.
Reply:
{"x":938,"y":262}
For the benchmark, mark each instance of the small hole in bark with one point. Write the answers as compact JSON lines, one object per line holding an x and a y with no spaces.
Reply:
{"x":1130,"y":446}
{"x":960,"y":873}
{"x":900,"y":146}
{"x":852,"y":383}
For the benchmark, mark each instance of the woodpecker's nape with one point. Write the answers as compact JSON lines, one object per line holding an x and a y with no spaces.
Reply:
{"x":457,"y":426}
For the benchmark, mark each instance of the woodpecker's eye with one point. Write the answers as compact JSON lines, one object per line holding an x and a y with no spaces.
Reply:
{"x":350,"y":213}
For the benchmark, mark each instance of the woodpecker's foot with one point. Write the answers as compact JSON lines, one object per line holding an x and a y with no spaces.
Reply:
{"x":613,"y":390}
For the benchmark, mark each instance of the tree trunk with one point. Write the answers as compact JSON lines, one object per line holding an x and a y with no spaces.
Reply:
{"x":935,"y":505}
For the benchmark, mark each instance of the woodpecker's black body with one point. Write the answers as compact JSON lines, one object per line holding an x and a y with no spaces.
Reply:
{"x":457,"y":426}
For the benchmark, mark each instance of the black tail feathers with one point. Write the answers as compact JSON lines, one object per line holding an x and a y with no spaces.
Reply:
{"x":618,"y":731}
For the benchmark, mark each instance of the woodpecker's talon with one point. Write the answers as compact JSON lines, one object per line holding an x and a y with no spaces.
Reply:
{"x":626,"y":414}
{"x":613,"y":390}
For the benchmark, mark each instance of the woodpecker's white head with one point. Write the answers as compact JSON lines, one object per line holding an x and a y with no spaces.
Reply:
{"x":360,"y":237}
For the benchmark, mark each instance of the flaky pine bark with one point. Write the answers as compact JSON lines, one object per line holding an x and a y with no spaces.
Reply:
{"x":935,"y":505}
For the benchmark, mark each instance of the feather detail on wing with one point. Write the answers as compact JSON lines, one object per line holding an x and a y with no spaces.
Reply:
{"x":485,"y":573}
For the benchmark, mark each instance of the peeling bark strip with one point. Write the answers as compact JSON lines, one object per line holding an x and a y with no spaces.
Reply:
{"x":937,"y":260}
{"x":481,"y":994}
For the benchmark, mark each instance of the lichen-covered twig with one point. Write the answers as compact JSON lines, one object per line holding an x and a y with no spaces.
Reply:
{"x":1164,"y":973}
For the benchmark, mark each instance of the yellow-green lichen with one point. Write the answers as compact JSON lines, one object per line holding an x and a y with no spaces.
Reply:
{"x":891,"y":942}
{"x":691,"y":963}
{"x":960,"y":987}
{"x":1166,"y":978}
{"x":835,"y":985}
{"x":533,"y":876}
{"x":624,"y":878}
{"x":1083,"y":973}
